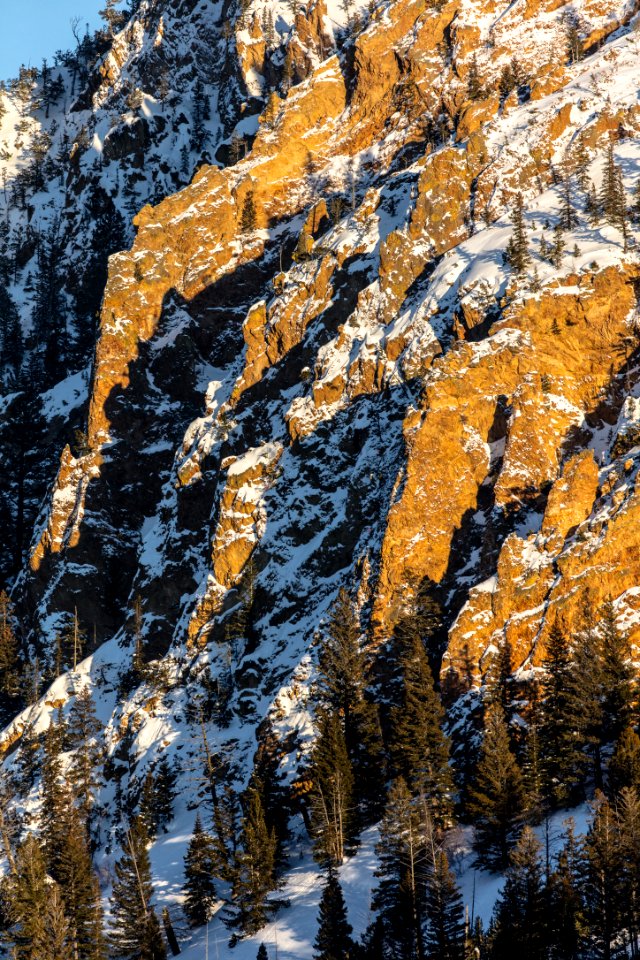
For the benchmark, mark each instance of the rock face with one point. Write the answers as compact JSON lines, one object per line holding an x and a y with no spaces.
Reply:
{"x":315,"y":367}
{"x":502,"y":389}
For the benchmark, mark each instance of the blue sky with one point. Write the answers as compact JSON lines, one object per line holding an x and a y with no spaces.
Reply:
{"x":34,"y":29}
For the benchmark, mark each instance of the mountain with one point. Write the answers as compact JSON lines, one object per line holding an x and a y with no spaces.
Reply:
{"x":299,"y":298}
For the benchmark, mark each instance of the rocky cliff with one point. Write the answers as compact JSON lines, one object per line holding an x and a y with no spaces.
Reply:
{"x":315,"y":367}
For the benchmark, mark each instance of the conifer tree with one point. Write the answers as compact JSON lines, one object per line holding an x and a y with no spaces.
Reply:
{"x":612,"y":196}
{"x":475,"y":89}
{"x":602,"y":879}
{"x":562,"y":759}
{"x":9,"y":667}
{"x":84,"y":731}
{"x":74,"y":873}
{"x":624,"y":767}
{"x":520,"y":923}
{"x":268,"y":779}
{"x":618,"y":676}
{"x":568,"y":218}
{"x":248,"y":218}
{"x":56,"y":800}
{"x":333,"y":940}
{"x":627,"y":813}
{"x":557,"y":248}
{"x":497,"y":799}
{"x":262,"y":953}
{"x":26,"y":894}
{"x":135,"y":932}
{"x":200,"y":893}
{"x":255,"y":869}
{"x":565,"y":928}
{"x":517,"y":252}
{"x":445,"y":929}
{"x":165,"y":779}
{"x":332,"y":820}
{"x":399,"y":898}
{"x":53,"y":940}
{"x":419,"y":746}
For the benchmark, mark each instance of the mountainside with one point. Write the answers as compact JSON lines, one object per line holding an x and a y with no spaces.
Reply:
{"x":301,"y":298}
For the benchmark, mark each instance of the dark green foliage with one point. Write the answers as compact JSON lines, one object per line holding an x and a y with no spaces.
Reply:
{"x":624,"y":767}
{"x":333,"y":823}
{"x":406,"y":833}
{"x":254,"y":869}
{"x":497,"y":798}
{"x":475,"y":87}
{"x":135,"y":932}
{"x":563,"y":761}
{"x":517,"y":252}
{"x":84,"y":736}
{"x":613,"y":201}
{"x":78,"y":883}
{"x":25,"y":895}
{"x":248,"y":217}
{"x":520,"y":921}
{"x":342,"y":689}
{"x":199,"y":888}
{"x":565,"y":915}
{"x":9,"y":665}
{"x":333,"y":940}
{"x":420,"y":750}
{"x":445,"y":930}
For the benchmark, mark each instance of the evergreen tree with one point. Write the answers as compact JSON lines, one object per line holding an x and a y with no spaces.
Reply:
{"x":602,"y":880}
{"x":627,"y":815}
{"x":497,"y":799}
{"x":84,"y":730}
{"x":568,"y":218}
{"x":199,"y":888}
{"x":56,"y":799}
{"x":618,"y":676}
{"x":262,"y":953}
{"x":255,"y":869}
{"x":342,"y":689}
{"x":332,"y":819}
{"x":79,"y":885}
{"x":399,"y":898}
{"x":135,"y":932}
{"x":566,"y":922}
{"x":53,"y":940}
{"x":26,"y":894}
{"x":475,"y":87}
{"x":562,"y":759}
{"x":9,"y":666}
{"x":612,"y":196}
{"x":248,"y":219}
{"x":333,"y":940}
{"x":517,"y":249}
{"x":624,"y":767}
{"x":557,"y":248}
{"x":269,"y":781}
{"x":419,"y":747}
{"x":520,"y":922}
{"x":445,"y":930}
{"x":165,"y":779}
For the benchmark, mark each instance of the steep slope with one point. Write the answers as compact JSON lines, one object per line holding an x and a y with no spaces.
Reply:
{"x":354,"y":388}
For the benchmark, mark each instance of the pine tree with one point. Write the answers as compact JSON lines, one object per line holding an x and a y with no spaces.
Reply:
{"x":399,"y":898}
{"x":200,"y":893}
{"x":568,"y":218}
{"x":333,"y":940}
{"x":255,"y":869}
{"x":74,"y":873}
{"x":56,"y":799}
{"x":618,"y":676}
{"x":557,"y":248}
{"x":53,"y":941}
{"x":84,"y":731}
{"x":262,"y":953}
{"x":627,"y":814}
{"x":475,"y":87}
{"x":613,"y":200}
{"x":624,"y":767}
{"x":517,"y":249}
{"x":26,"y":894}
{"x":563,"y":762}
{"x":419,"y":746}
{"x":497,"y":799}
{"x":248,"y":219}
{"x":165,"y":779}
{"x":519,"y":915}
{"x":135,"y":932}
{"x":565,"y":926}
{"x":602,"y":879}
{"x":342,"y":689}
{"x":9,"y":668}
{"x":445,"y":930}
{"x":331,"y":773}
{"x":268,"y":778}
